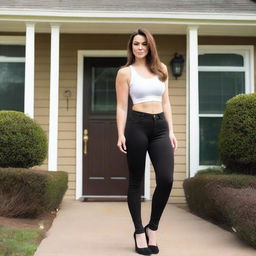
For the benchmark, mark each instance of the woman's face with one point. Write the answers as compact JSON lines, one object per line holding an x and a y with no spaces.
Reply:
{"x":140,"y":46}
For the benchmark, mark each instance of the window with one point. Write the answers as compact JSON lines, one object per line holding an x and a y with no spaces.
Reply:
{"x":103,"y":89}
{"x":221,"y":76}
{"x":12,"y":73}
{"x":223,"y":72}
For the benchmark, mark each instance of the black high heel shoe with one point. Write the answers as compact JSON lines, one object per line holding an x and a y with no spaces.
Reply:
{"x":153,"y":248}
{"x":144,"y":250}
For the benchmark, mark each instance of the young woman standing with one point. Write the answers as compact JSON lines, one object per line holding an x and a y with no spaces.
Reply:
{"x":149,"y":129}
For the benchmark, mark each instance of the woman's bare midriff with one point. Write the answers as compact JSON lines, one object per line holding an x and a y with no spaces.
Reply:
{"x":152,"y":107}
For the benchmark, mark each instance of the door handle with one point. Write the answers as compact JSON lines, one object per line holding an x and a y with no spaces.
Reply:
{"x":86,"y":137}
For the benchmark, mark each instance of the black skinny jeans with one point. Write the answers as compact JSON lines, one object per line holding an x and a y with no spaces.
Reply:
{"x":148,"y":132}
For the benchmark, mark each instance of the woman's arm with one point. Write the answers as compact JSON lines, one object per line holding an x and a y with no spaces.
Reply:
{"x":122,"y":92}
{"x":168,"y":112}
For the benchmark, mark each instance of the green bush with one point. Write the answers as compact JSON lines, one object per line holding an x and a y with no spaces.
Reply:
{"x":228,"y":200}
{"x":23,"y":143}
{"x":240,"y":210}
{"x":237,"y":141}
{"x":211,"y":171}
{"x":28,"y":193}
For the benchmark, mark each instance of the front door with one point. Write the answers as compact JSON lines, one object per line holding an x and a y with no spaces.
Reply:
{"x":105,"y":171}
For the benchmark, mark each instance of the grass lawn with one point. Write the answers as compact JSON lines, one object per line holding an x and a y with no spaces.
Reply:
{"x":19,"y":242}
{"x":21,"y":237}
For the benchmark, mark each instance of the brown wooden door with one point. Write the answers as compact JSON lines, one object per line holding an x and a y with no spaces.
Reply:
{"x":105,"y":171}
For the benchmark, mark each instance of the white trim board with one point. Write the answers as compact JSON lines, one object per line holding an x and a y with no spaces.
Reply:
{"x":16,"y":12}
{"x":13,"y":40}
{"x":81,"y":54}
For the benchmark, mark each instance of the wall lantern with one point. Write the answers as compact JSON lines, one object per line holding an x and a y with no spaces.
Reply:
{"x":176,"y":64}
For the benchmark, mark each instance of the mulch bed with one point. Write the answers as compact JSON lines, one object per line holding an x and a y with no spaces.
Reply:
{"x":45,"y":219}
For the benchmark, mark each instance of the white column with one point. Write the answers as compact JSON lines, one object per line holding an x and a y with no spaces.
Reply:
{"x":192,"y":89}
{"x":29,"y":70}
{"x":54,"y":99}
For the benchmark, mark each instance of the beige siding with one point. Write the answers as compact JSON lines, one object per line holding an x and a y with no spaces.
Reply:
{"x":69,"y":45}
{"x":42,"y":83}
{"x":167,"y":46}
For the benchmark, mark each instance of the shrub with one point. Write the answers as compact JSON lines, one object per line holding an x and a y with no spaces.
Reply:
{"x":240,"y":209}
{"x":237,"y":141}
{"x":23,"y":143}
{"x":28,"y":193}
{"x":211,"y":171}
{"x":229,"y":200}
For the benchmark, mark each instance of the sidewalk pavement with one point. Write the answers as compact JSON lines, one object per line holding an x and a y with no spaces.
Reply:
{"x":105,"y":229}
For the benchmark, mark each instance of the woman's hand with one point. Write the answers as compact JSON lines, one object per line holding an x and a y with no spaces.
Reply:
{"x":121,"y":144}
{"x":173,"y":141}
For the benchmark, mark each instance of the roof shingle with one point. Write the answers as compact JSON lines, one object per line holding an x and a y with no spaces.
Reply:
{"x":204,"y":6}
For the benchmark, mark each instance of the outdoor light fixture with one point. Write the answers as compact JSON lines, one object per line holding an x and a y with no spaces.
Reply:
{"x":177,"y":65}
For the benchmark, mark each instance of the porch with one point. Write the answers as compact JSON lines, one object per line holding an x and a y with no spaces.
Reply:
{"x":58,"y":42}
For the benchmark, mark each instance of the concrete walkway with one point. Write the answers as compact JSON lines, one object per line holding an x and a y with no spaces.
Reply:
{"x":105,"y":229}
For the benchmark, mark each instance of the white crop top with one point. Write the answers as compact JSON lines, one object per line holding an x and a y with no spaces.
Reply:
{"x":145,"y":89}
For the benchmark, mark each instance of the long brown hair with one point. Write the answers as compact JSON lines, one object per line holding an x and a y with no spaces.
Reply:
{"x":152,"y":58}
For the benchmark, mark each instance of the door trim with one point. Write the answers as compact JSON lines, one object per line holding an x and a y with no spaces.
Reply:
{"x":81,"y":54}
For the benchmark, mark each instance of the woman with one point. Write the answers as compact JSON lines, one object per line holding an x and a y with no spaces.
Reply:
{"x":148,"y":128}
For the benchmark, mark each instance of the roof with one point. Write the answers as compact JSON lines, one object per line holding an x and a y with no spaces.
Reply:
{"x":202,"y":6}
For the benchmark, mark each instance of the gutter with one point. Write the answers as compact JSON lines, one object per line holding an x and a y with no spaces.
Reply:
{"x":36,"y":14}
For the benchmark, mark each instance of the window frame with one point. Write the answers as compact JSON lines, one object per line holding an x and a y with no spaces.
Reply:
{"x":247,"y":51}
{"x":14,"y":40}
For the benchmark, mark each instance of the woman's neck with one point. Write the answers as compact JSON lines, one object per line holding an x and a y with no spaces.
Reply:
{"x":140,"y":62}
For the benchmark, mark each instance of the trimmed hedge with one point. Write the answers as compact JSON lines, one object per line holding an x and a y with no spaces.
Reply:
{"x":29,"y":193}
{"x":211,"y":170}
{"x":23,"y":143}
{"x":237,"y":139}
{"x":229,"y":200}
{"x":239,"y":207}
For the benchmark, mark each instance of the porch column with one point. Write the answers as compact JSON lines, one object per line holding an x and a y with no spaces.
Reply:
{"x":192,"y":89}
{"x":29,"y":70}
{"x":54,"y":99}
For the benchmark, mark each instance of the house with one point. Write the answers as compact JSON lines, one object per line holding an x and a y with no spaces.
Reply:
{"x":58,"y":61}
